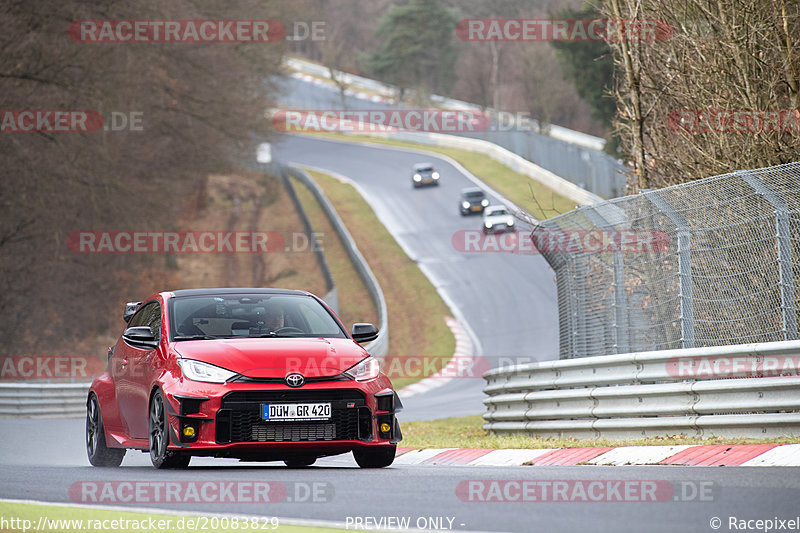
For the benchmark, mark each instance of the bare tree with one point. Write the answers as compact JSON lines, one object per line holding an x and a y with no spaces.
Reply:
{"x":201,"y":108}
{"x":698,"y":99}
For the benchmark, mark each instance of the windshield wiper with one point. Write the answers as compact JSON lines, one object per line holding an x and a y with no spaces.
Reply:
{"x":195,"y":337}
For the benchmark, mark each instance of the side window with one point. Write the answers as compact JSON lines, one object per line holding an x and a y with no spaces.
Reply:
{"x":149,"y":315}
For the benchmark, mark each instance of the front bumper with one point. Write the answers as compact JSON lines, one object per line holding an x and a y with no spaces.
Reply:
{"x":226,"y":418}
{"x":499,"y":228}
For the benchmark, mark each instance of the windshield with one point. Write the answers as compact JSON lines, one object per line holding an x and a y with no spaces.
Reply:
{"x":473,"y":194}
{"x":250,"y":315}
{"x":496,"y":212}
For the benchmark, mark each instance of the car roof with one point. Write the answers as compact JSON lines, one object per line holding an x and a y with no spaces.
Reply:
{"x":495,"y":208}
{"x":472,"y":189}
{"x":235,"y":290}
{"x":423,"y":165}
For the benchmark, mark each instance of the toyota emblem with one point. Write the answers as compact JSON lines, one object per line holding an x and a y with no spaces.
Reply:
{"x":295,"y":380}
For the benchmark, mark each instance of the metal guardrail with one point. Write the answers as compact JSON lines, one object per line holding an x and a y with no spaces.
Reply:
{"x":506,"y":157}
{"x":572,"y":155}
{"x":380,"y":346}
{"x":651,"y":394}
{"x":49,"y":400}
{"x":331,"y":295}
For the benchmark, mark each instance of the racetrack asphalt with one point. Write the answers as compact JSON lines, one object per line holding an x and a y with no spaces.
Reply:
{"x":43,"y":459}
{"x":507,"y":300}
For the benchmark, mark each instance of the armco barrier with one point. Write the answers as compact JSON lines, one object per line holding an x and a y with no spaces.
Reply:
{"x":380,"y":346}
{"x":628,"y":396}
{"x":517,"y":163}
{"x":570,"y":155}
{"x":501,"y":155}
{"x":51,"y":400}
{"x":331,"y":295}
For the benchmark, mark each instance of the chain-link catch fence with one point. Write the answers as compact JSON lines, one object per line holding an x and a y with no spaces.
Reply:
{"x":706,"y":263}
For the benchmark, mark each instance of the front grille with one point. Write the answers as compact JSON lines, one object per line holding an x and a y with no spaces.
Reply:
{"x":239,"y":419}
{"x":295,"y":432}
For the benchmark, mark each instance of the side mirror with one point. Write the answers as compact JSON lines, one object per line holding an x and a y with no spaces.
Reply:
{"x":140,"y":336}
{"x":130,"y":310}
{"x":363,"y":332}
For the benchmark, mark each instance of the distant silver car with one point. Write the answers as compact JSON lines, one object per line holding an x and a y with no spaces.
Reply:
{"x":424,"y":174}
{"x":496,"y":219}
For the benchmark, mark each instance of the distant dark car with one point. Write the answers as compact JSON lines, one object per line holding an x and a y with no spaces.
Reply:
{"x":424,"y":174}
{"x":473,"y":200}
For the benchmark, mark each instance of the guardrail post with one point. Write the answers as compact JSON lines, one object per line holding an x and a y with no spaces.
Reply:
{"x":684,"y":265}
{"x":783,"y":238}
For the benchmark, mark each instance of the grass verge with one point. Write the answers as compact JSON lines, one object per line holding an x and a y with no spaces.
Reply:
{"x":538,"y":200}
{"x":466,"y":432}
{"x":58,"y":519}
{"x":409,"y":295}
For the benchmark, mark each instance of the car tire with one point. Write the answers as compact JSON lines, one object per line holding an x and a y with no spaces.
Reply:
{"x":375,"y":457}
{"x":158,"y":434}
{"x":99,"y":454}
{"x":300,"y":461}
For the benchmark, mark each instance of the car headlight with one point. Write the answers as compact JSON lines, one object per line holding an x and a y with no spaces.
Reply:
{"x":369,"y":368}
{"x":487,"y":224}
{"x":510,"y":221}
{"x":465,"y":205}
{"x":484,"y":202}
{"x":435,"y":175}
{"x":200,"y":371}
{"x":417,"y":177}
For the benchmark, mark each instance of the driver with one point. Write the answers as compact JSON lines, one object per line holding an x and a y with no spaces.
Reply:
{"x":273,"y":318}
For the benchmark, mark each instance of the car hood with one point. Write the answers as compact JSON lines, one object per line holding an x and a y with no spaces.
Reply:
{"x":275,"y":358}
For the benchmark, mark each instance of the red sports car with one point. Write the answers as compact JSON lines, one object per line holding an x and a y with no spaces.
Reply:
{"x":253,"y":374}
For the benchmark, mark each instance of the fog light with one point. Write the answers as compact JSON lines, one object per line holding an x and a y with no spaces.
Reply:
{"x":188,"y":432}
{"x":385,"y":428}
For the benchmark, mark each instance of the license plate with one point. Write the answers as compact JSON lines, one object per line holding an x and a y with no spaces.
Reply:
{"x":289,"y":412}
{"x":476,"y":208}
